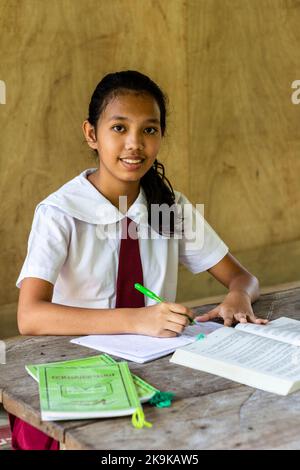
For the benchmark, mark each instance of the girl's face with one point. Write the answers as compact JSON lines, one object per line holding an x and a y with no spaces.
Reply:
{"x":128,"y":137}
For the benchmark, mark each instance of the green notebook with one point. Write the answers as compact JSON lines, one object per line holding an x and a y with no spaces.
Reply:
{"x":76,"y":392}
{"x":144,"y":390}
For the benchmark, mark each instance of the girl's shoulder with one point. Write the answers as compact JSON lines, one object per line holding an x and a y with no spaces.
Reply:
{"x":77,"y":199}
{"x":49,"y":219}
{"x":181,"y":198}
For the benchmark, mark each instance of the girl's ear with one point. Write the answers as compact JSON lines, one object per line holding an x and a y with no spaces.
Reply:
{"x":89,"y":134}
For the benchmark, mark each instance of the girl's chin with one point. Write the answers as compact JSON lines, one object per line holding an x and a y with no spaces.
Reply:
{"x":134,"y":172}
{"x":131,"y":178}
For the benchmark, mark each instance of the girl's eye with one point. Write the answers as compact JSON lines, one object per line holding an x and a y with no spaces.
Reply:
{"x":153,"y":128}
{"x":149,"y":133}
{"x":116,"y":126}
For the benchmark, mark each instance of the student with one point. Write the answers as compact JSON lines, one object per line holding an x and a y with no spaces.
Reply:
{"x":77,"y":279}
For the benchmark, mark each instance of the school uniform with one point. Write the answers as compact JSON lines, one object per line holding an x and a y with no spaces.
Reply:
{"x":75,"y":244}
{"x":75,"y":240}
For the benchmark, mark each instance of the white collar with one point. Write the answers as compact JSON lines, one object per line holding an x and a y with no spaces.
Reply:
{"x":81,"y":200}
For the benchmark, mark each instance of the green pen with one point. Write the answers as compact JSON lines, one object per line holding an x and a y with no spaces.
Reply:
{"x":153,"y":296}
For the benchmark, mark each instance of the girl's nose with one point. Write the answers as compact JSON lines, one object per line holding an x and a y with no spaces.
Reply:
{"x":135,"y":141}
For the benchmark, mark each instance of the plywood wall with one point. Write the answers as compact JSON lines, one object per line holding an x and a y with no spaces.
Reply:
{"x":233,"y":137}
{"x":244,"y":133}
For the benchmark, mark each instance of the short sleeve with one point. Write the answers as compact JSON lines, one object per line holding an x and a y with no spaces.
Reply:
{"x":200,"y":247}
{"x":47,"y":245}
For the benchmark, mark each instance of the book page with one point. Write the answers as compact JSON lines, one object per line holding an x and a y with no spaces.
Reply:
{"x":132,"y":347}
{"x":248,"y":351}
{"x":206,"y":328}
{"x":140,"y":347}
{"x":283,"y":329}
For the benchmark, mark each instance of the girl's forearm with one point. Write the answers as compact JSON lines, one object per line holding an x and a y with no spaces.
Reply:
{"x":46,"y":318}
{"x":245,"y":283}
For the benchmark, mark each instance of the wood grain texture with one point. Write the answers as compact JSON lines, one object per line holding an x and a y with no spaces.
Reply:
{"x":264,"y":290}
{"x":273,"y":265}
{"x":244,"y":131}
{"x":242,"y":419}
{"x":209,"y":412}
{"x":8,"y":320}
{"x":52,"y":57}
{"x":232,"y":140}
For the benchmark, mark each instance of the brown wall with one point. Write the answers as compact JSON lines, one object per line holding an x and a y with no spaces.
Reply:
{"x":233,"y":133}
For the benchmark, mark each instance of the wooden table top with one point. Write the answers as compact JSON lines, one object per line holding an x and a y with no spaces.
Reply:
{"x":208,"y":412}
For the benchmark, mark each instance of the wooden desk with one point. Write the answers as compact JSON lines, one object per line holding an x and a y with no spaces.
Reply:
{"x":209,"y":412}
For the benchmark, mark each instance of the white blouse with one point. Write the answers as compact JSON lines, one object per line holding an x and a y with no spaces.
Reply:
{"x":70,"y":246}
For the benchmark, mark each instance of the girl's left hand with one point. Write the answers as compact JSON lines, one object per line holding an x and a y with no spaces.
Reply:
{"x":236,"y":307}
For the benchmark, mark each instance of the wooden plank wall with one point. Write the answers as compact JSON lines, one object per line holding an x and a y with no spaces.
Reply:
{"x":233,"y":136}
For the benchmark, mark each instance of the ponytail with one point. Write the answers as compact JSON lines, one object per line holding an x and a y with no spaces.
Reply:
{"x":158,"y":190}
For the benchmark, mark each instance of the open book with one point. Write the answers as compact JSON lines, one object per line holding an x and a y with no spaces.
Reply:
{"x":98,"y":391}
{"x":261,"y":356}
{"x":140,"y":348}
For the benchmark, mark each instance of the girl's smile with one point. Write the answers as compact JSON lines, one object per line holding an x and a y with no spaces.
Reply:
{"x":132,"y":162}
{"x":127,"y":139}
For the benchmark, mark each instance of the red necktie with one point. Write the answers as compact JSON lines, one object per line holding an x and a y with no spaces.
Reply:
{"x":130,"y":268}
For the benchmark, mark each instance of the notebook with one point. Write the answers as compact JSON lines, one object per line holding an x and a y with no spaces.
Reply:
{"x":140,"y":348}
{"x":144,"y":390}
{"x":99,"y":391}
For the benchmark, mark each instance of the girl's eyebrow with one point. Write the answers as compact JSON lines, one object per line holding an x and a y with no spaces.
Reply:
{"x":123,"y":118}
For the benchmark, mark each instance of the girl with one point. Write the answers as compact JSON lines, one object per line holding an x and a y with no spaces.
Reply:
{"x":77,"y":279}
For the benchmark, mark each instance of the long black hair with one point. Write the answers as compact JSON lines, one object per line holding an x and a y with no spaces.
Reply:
{"x":157,"y":187}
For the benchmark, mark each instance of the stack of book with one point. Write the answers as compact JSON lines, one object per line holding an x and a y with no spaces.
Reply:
{"x":93,"y":387}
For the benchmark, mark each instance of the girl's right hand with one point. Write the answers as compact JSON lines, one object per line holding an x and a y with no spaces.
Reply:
{"x":165,"y":319}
